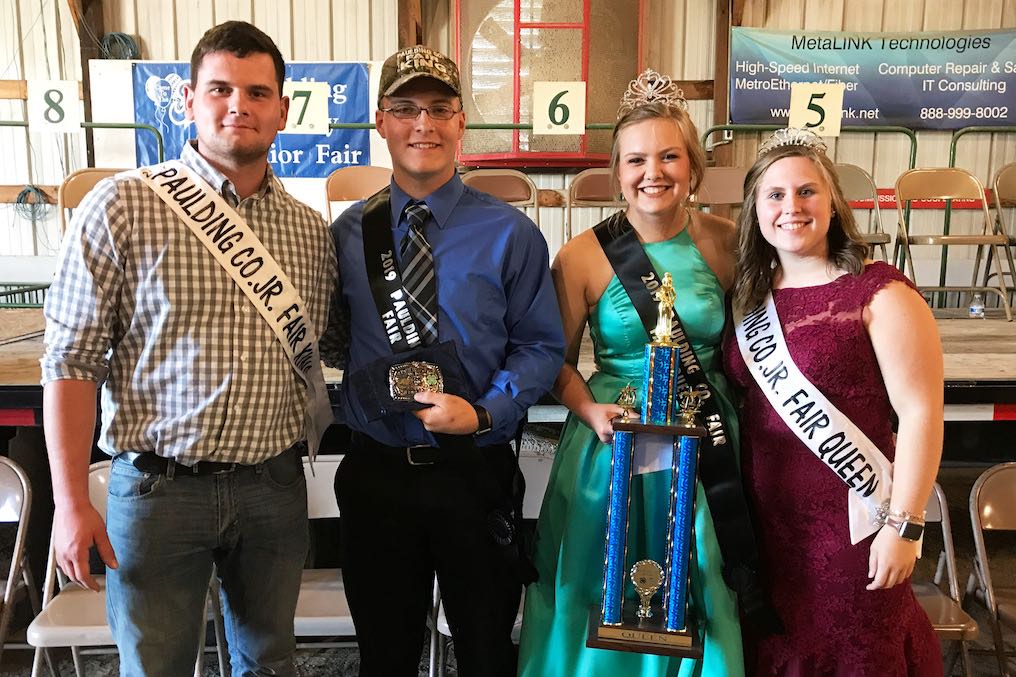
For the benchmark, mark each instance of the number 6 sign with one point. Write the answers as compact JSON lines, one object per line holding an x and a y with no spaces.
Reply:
{"x":559,"y":108}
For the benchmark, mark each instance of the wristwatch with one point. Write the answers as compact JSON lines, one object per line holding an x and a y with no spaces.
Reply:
{"x":910,"y":527}
{"x":484,"y":423}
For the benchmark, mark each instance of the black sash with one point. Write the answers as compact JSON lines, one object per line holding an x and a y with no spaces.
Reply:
{"x":397,"y":322}
{"x":504,"y":521}
{"x":718,"y":469}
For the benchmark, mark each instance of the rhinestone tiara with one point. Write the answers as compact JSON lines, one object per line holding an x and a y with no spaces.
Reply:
{"x":792,"y":136}
{"x":651,"y":87}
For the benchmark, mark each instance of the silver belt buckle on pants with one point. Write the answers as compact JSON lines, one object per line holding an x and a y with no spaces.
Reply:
{"x":409,"y":455}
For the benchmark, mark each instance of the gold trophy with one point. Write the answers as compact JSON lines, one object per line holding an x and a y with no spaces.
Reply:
{"x":647,"y":577}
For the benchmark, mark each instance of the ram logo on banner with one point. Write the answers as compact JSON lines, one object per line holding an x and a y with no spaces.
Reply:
{"x":928,"y":80}
{"x":159,"y":102}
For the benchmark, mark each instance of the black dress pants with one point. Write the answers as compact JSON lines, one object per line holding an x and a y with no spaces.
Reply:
{"x":401,"y":524}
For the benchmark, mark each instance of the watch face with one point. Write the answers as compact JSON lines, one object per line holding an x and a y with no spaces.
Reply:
{"x":911,"y":531}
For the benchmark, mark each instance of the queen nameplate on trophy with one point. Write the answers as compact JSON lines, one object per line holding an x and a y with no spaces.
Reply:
{"x":409,"y":378}
{"x":628,"y":619}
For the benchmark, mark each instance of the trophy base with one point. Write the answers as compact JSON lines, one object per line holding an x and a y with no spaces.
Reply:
{"x":643,"y":636}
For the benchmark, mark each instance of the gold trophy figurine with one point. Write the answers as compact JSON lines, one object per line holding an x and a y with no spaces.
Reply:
{"x":665,"y":311}
{"x":647,"y":577}
{"x":690,"y":402}
{"x":627,"y":399}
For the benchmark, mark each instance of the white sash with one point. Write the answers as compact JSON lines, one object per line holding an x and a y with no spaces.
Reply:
{"x":237,"y":249}
{"x":817,"y":423}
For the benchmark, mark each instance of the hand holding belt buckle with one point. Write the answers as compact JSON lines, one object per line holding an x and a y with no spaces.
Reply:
{"x":409,"y":378}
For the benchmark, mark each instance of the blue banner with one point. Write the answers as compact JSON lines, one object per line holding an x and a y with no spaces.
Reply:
{"x":159,"y":101}
{"x":929,"y":80}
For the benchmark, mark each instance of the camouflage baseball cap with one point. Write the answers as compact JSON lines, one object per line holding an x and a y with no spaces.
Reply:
{"x":417,"y":62}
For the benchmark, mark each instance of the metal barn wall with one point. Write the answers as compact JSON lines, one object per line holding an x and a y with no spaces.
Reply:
{"x":38,"y":40}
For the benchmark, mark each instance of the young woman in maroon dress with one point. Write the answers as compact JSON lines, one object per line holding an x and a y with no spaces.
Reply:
{"x":866,"y":339}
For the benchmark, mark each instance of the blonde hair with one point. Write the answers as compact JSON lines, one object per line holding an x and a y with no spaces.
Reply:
{"x":757,"y":259}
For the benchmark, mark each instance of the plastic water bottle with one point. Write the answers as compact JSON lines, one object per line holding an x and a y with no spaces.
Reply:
{"x":977,"y":307}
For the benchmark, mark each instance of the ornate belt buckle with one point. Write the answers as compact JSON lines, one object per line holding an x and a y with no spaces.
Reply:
{"x":409,"y":378}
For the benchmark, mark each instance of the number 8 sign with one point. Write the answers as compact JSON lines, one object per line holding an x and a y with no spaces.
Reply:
{"x":54,"y":106}
{"x":559,"y":108}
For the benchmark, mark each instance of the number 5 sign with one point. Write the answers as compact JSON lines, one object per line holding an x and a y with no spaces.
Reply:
{"x":559,"y":108}
{"x":54,"y":106}
{"x":817,"y":106}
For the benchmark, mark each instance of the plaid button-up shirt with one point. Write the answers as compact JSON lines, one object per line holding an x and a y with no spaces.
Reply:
{"x":189,"y":369}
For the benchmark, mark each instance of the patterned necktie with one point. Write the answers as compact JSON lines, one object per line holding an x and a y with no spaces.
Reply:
{"x":418,"y":272}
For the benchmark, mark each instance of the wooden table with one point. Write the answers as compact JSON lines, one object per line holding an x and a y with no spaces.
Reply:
{"x":980,"y":368}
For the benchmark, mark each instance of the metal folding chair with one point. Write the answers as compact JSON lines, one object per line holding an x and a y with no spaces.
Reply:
{"x":354,"y":182}
{"x":591,"y":188}
{"x":536,"y":470}
{"x":322,"y":609}
{"x":15,"y":508}
{"x":74,"y":616}
{"x":507,"y":185}
{"x":74,"y":188}
{"x":721,"y":186}
{"x":858,"y":185}
{"x":1004,"y":191}
{"x":944,"y":606}
{"x":951,"y":183}
{"x":993,"y":508}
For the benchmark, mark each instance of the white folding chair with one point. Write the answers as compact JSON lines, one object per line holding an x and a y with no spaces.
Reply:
{"x":322,"y":609}
{"x":74,"y":616}
{"x":993,"y":508}
{"x":943,"y":606}
{"x":536,"y":470}
{"x":15,"y":507}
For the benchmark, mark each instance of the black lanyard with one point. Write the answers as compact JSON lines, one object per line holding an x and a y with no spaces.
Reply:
{"x":718,"y":469}
{"x":384,"y":275}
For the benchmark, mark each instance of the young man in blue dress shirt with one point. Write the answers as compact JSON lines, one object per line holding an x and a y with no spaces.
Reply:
{"x":428,"y":475}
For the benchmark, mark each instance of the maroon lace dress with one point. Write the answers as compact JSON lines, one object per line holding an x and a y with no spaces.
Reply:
{"x":817,"y":578}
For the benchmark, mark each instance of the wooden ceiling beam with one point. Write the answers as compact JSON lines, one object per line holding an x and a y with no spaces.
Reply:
{"x":87,"y":15}
{"x":410,"y":20}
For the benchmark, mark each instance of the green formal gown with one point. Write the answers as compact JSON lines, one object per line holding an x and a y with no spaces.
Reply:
{"x":570,"y":534}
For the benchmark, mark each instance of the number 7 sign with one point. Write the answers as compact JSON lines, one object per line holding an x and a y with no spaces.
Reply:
{"x":308,"y":107}
{"x":559,"y":108}
{"x":817,"y":106}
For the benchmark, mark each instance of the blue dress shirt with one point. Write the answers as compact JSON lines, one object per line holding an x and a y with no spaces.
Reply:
{"x":495,"y":299}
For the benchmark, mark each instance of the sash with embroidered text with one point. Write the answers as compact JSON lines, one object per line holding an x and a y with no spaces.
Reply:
{"x":820,"y":426}
{"x":388,"y":384}
{"x":255,"y":272}
{"x":718,"y":465}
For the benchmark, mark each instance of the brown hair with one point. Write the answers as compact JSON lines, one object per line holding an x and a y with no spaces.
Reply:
{"x":757,"y":259}
{"x":659,"y":110}
{"x":239,"y":38}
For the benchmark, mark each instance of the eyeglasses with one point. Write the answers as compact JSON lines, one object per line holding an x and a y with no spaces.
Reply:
{"x":410,"y":111}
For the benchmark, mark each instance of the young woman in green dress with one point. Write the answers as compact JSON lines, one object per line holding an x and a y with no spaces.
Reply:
{"x":658,"y":162}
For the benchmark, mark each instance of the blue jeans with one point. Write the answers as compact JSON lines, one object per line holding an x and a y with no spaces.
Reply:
{"x":167,"y":533}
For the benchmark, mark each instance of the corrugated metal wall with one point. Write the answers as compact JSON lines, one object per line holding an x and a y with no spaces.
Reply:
{"x":39,"y":41}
